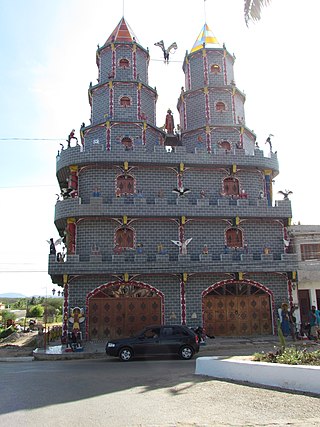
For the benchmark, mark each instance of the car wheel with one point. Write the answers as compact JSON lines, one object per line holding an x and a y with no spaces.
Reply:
{"x":125,"y":354}
{"x":186,"y":352}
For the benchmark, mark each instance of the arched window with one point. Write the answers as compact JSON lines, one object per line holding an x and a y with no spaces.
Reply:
{"x":124,"y":238}
{"x":124,"y":63}
{"x":125,"y":101}
{"x":234,"y":238}
{"x":220,"y":106}
{"x":127,"y":142}
{"x":231,"y":186}
{"x":225,"y":145}
{"x":215,"y":69}
{"x":125,"y":185}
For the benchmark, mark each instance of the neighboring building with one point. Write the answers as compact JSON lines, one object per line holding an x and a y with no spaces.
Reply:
{"x":184,"y":235}
{"x":305,"y":242}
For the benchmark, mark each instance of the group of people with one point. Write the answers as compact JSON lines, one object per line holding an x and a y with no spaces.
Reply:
{"x":289,"y":323}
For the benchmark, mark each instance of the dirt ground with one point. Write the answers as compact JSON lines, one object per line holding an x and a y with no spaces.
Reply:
{"x":18,"y":344}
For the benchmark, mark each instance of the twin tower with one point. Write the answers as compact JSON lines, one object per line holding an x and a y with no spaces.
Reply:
{"x":173,"y":225}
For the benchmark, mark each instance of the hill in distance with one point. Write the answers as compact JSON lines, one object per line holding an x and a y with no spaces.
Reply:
{"x":12,"y":295}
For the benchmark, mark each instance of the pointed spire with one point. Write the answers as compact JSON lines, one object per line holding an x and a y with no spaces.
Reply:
{"x":205,"y":36}
{"x":122,"y":33}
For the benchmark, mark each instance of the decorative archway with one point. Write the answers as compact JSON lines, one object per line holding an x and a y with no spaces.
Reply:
{"x":238,"y":308}
{"x":119,"y":309}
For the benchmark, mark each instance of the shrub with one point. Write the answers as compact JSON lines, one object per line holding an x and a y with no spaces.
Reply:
{"x":6,"y":332}
{"x":290,"y":356}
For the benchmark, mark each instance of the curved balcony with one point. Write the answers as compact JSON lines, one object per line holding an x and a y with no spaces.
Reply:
{"x":133,"y":263}
{"x":157,"y":207}
{"x":159,"y":156}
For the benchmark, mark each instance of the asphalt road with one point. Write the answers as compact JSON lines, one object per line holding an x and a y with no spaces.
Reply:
{"x":158,"y":392}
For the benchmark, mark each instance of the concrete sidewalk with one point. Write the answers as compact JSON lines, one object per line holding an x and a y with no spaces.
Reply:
{"x":218,"y":346}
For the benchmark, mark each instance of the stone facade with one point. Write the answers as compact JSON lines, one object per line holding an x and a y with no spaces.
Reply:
{"x":132,"y":197}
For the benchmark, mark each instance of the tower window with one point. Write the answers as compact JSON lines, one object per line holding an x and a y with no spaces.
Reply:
{"x":234,"y":237}
{"x":125,"y":185}
{"x":225,"y":145}
{"x":127,"y":142}
{"x":231,"y":186}
{"x":215,"y":69}
{"x":124,"y":63}
{"x":220,"y":106}
{"x":124,"y":238}
{"x":125,"y":101}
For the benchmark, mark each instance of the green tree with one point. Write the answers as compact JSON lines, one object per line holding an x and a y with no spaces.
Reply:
{"x":36,"y":310}
{"x":252,"y":9}
{"x":6,"y":315}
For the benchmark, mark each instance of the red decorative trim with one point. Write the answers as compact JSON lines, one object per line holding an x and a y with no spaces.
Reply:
{"x":208,"y":142}
{"x":114,"y":63}
{"x":108,"y":139}
{"x":134,"y":64}
{"x":205,"y":70}
{"x":183,"y":302}
{"x":188,"y":76}
{"x":290,"y":294}
{"x":234,"y":109}
{"x":138,"y":103}
{"x":65,"y":310}
{"x":248,"y":282}
{"x":225,"y":70}
{"x":111,"y":102}
{"x":181,"y":236}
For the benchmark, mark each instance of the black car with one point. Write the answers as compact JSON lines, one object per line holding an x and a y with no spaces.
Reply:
{"x":155,"y":341}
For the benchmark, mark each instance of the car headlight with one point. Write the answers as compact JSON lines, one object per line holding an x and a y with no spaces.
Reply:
{"x":111,"y":344}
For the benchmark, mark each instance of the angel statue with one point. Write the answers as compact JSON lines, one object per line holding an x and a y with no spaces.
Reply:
{"x":166,"y":52}
{"x":285,"y":194}
{"x":53,"y":245}
{"x":182,"y":245}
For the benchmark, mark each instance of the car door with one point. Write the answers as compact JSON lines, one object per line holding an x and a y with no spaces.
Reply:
{"x":171,"y":339}
{"x":148,"y":342}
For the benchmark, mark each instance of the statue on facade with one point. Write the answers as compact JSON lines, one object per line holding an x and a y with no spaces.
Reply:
{"x":70,"y":137}
{"x":182,"y":245}
{"x":285,"y":193}
{"x":169,"y":124}
{"x":166,"y":52}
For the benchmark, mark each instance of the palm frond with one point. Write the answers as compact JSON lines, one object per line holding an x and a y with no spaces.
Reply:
{"x":252,"y":9}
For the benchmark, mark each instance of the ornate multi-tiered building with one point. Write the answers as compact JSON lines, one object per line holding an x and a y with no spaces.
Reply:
{"x":170,"y":227}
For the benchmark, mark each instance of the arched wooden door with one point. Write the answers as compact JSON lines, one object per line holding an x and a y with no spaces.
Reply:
{"x":122,"y":310}
{"x":237,"y":309}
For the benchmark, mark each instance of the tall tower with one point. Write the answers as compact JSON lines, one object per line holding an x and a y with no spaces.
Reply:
{"x":184,"y":235}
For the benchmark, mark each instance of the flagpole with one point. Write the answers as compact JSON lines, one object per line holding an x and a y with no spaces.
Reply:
{"x":204,"y":8}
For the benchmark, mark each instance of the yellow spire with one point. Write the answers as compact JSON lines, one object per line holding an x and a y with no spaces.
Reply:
{"x":206,"y":36}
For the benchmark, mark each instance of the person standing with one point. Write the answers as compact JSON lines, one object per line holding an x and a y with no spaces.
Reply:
{"x":285,"y":325}
{"x":313,"y":323}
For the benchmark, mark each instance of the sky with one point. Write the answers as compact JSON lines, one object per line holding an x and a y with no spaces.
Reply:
{"x":47,"y":51}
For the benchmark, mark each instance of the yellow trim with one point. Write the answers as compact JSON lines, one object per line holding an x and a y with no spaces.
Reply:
{"x":181,"y":167}
{"x":126,"y":277}
{"x":183,"y":220}
{"x":73,"y":168}
{"x":124,"y":219}
{"x":125,"y":165}
{"x":65,"y":279}
{"x":71,"y":220}
{"x":234,"y":168}
{"x":185,"y":277}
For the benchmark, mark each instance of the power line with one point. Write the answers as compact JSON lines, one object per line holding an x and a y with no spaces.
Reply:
{"x":31,"y":139}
